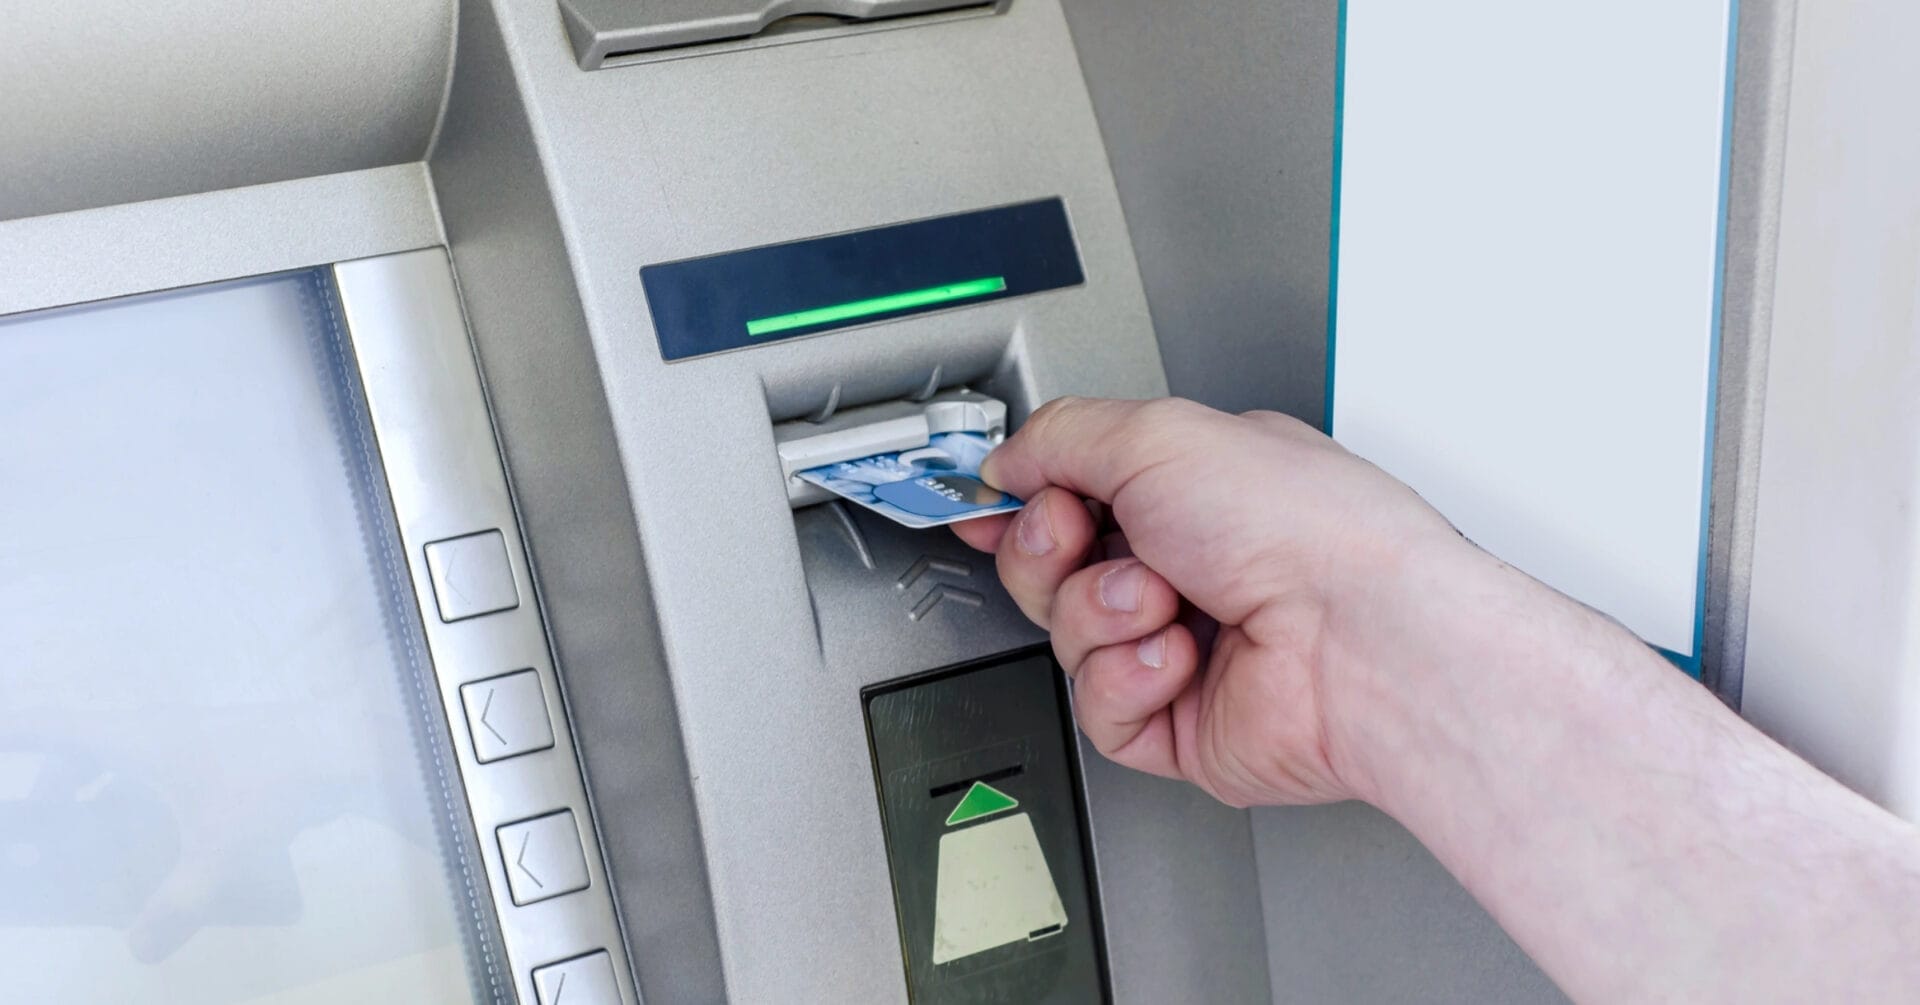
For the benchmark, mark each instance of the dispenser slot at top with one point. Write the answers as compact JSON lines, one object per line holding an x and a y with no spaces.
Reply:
{"x":601,"y":30}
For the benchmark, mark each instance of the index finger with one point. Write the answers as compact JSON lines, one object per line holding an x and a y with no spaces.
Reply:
{"x":1089,"y":446}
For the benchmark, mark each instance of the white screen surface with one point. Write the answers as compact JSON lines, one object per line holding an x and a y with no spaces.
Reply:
{"x":212,"y":785}
{"x":1529,"y":226}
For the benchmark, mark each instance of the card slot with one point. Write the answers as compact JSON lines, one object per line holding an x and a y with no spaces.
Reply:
{"x":990,"y":777}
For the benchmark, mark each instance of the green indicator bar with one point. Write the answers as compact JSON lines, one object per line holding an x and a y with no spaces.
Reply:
{"x":877,"y":305}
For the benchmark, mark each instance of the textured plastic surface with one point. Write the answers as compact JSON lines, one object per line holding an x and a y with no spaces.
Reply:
{"x":94,"y":254}
{"x":1833,"y":645}
{"x":742,"y":632}
{"x":112,"y":102}
{"x":1358,"y":911}
{"x":1219,"y":126}
{"x":221,"y":781}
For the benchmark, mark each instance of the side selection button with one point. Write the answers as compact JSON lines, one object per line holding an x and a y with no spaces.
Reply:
{"x":583,"y":980}
{"x":472,"y":576}
{"x":507,"y":715}
{"x":543,"y":857}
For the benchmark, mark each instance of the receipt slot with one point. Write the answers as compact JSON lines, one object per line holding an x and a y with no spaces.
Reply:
{"x":980,"y":799}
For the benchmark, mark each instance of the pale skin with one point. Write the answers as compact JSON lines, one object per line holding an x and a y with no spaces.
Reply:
{"x":1639,"y":840}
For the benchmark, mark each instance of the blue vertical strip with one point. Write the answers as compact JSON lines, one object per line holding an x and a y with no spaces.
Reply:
{"x":1333,"y":252}
{"x":1693,"y":663}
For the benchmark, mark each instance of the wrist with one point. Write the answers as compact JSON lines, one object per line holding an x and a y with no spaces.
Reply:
{"x":1419,"y":654}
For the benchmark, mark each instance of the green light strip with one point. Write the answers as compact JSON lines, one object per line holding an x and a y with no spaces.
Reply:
{"x":877,"y":305}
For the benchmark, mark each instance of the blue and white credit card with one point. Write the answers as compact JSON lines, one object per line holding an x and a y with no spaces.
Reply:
{"x":925,"y":487}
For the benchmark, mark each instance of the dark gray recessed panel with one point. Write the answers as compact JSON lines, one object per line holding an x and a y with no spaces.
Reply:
{"x":754,"y":296}
{"x":982,"y":812}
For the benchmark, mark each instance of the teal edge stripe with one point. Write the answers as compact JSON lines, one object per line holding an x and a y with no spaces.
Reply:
{"x":1333,"y":242}
{"x":1689,"y":663}
{"x":1694,"y":664}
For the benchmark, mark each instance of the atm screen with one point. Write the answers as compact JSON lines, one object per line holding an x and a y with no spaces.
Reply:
{"x":216,"y":782}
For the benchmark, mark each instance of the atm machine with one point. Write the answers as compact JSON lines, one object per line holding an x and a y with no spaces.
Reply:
{"x":408,"y":590}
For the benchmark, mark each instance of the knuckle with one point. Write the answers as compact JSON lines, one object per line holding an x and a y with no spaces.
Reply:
{"x":1157,"y":427}
{"x":1035,"y":603}
{"x":1159,"y":411}
{"x":1278,"y":422}
{"x":1178,"y":409}
{"x":1103,"y":735}
{"x":1103,"y":690}
{"x":1049,"y":413}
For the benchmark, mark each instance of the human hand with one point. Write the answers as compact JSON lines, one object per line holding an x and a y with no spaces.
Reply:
{"x":1227,"y":627}
{"x":1631,"y":833}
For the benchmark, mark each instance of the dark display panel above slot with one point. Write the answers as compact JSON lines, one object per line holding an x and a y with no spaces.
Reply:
{"x":747,"y":298}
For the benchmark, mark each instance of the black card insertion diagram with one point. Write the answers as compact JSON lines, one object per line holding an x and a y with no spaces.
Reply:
{"x":980,"y":800}
{"x":760,"y":295}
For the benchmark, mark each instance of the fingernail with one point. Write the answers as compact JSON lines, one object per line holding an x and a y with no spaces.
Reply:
{"x":1153,"y":649}
{"x":987,"y":467}
{"x":1120,"y":588}
{"x":1035,"y":533}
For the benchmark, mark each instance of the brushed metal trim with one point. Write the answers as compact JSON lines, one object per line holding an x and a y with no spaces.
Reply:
{"x":444,"y":473}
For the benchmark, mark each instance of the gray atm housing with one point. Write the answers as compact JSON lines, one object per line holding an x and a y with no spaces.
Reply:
{"x":729,"y":629}
{"x":712,"y":643}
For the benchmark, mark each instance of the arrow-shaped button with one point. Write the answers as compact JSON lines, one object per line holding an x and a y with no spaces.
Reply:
{"x":521,"y":859}
{"x":486,"y":709}
{"x":544,"y":857}
{"x":507,"y":715}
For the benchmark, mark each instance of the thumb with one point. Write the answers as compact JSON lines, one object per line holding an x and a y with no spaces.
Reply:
{"x":1089,"y":446}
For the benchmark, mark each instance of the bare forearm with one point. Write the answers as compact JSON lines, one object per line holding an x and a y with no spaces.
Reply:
{"x":1638,"y":839}
{"x":1635,"y":837}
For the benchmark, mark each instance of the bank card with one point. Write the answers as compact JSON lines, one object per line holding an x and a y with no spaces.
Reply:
{"x":928,"y":486}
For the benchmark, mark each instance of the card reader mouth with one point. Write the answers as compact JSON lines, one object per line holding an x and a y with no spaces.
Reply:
{"x":888,"y":426}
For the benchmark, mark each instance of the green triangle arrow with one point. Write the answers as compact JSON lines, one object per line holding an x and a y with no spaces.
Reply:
{"x":982,"y":800}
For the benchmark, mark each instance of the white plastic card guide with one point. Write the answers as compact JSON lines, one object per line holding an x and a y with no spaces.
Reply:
{"x":873,"y":429}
